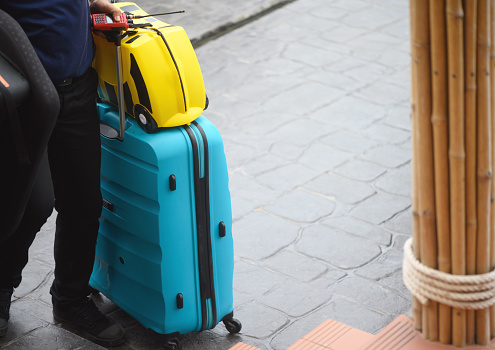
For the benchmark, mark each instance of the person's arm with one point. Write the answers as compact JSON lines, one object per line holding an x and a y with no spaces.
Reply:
{"x":104,"y":6}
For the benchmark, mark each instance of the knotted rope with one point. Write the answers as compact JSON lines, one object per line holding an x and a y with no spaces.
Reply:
{"x":459,"y":291}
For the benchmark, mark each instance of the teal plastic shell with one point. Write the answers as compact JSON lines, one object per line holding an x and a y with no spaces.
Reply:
{"x":147,"y":254}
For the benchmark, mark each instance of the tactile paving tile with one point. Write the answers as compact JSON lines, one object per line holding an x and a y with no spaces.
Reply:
{"x":242,"y":346}
{"x":332,"y":335}
{"x":401,"y":335}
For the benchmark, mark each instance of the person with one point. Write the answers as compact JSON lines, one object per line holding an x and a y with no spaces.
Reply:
{"x":60,"y":32}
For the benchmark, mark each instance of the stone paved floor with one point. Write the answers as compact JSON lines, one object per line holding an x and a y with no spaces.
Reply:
{"x":204,"y":19}
{"x":312,"y":101}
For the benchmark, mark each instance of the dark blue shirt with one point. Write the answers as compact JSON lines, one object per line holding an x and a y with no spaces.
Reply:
{"x":60,"y":31}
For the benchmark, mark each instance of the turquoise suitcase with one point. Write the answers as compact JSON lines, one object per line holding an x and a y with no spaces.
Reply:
{"x":165,"y":248}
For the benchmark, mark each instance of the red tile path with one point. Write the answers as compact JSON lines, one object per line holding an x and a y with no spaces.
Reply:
{"x":398,"y":335}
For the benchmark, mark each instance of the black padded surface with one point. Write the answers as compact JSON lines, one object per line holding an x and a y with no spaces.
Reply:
{"x":37,"y":117}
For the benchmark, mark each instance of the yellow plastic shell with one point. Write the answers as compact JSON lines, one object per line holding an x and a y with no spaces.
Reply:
{"x":163,"y":84}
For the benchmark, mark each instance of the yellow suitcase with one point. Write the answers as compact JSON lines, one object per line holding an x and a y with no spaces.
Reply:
{"x":163,"y":84}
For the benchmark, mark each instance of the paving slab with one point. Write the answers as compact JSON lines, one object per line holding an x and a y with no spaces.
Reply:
{"x":359,"y":228}
{"x":259,"y":235}
{"x":373,"y":211}
{"x":338,"y":248}
{"x":344,"y":189}
{"x":297,"y":266}
{"x":312,"y":100}
{"x":204,"y":19}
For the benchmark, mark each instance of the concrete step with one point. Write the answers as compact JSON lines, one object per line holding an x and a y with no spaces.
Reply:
{"x":398,"y":335}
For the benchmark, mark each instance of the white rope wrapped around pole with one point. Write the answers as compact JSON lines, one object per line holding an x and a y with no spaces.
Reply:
{"x":473,"y":292}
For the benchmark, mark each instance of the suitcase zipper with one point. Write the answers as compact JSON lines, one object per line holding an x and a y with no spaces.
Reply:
{"x":201,"y":187}
{"x":201,"y":151}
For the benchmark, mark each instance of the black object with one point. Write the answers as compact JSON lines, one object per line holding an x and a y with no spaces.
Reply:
{"x":222,"y":229}
{"x":154,"y":14}
{"x":16,"y":84}
{"x":172,"y":181}
{"x":14,"y":91}
{"x":31,"y":114}
{"x":172,"y":344}
{"x":106,"y":204}
{"x":233,"y":325}
{"x":201,"y":189}
{"x":86,"y":318}
{"x":180,"y":301}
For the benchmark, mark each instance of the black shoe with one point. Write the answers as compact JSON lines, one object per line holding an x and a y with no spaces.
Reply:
{"x":5,"y":297}
{"x":88,"y":319}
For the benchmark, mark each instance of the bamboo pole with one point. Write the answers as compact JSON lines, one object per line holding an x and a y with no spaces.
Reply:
{"x":492,"y":114}
{"x":428,"y":247}
{"x":470,"y":103}
{"x":483,"y":329}
{"x":416,"y":308}
{"x":454,"y":209}
{"x":455,"y":45}
{"x":440,"y":146}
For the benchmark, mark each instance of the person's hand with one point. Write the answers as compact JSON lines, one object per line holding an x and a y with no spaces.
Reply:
{"x":104,"y":6}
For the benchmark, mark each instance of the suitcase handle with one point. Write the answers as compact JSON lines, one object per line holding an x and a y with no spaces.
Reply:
{"x":120,"y":86}
{"x":107,"y":130}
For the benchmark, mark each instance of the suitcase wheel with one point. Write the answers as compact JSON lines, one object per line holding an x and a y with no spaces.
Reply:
{"x":233,"y":325}
{"x":144,"y":119}
{"x":172,"y":344}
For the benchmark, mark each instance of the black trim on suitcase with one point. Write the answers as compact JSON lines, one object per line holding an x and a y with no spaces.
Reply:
{"x":207,"y":204}
{"x":142,"y":90}
{"x":112,"y":95}
{"x":202,"y":277}
{"x":130,"y":41}
{"x":107,"y":205}
{"x":100,"y":91}
{"x":175,"y":63}
{"x":222,"y":230}
{"x":129,"y":104}
{"x":172,"y":182}
{"x":180,"y":301}
{"x":201,"y":188}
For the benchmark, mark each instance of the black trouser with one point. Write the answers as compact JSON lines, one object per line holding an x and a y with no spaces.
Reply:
{"x":74,"y":160}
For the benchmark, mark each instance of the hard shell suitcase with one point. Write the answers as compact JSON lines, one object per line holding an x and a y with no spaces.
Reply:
{"x":165,"y":247}
{"x":163,"y":84}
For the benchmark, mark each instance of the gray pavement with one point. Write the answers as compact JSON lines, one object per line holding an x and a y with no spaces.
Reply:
{"x":312,"y":101}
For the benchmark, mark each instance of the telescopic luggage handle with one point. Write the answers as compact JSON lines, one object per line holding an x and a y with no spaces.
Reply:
{"x":120,"y":86}
{"x":106,"y":130}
